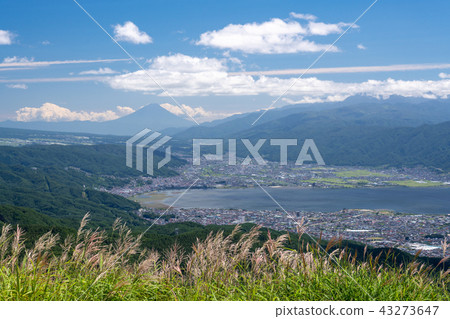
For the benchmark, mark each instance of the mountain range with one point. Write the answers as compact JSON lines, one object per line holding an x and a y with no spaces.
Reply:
{"x":357,"y":110}
{"x":361,"y":110}
{"x":360,"y":130}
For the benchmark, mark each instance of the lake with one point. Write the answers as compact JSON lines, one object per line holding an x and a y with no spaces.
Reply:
{"x":401,"y":199}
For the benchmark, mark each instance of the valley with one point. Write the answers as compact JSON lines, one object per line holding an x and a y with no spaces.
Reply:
{"x":67,"y":174}
{"x":279,"y":151}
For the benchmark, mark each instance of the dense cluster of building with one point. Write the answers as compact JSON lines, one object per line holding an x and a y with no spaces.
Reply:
{"x":411,"y":233}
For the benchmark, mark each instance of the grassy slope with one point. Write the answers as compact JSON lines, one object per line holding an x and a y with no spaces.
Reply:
{"x":220,"y":267}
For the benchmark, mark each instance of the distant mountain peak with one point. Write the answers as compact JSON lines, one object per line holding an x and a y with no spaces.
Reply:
{"x":152,"y":116}
{"x":360,"y":98}
{"x":151,"y":106}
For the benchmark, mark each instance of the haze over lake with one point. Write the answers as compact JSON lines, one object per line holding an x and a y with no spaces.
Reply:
{"x":400,"y":199}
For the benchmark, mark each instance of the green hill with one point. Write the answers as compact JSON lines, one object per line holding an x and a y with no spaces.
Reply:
{"x":361,"y":145}
{"x":62,"y":182}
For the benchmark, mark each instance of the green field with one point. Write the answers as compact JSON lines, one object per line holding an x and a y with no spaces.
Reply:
{"x":359,"y":173}
{"x":411,"y":183}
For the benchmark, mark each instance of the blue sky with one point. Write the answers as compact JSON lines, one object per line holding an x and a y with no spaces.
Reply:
{"x":200,"y":51}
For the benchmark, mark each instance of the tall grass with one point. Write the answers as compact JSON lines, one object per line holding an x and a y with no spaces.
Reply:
{"x":91,"y":266}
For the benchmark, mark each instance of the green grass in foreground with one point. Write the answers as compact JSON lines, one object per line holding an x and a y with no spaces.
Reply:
{"x":94,"y":267}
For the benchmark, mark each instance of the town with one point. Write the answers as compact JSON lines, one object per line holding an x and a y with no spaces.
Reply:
{"x":423,"y":234}
{"x":412,"y":233}
{"x":218,"y":174}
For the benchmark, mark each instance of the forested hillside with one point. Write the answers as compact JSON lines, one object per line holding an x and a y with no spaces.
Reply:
{"x":361,"y":131}
{"x":361,"y":145}
{"x":58,"y":184}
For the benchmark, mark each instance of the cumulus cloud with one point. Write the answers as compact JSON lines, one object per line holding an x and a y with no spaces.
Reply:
{"x":6,"y":37}
{"x":201,"y":76}
{"x":129,"y":32}
{"x":50,"y":112}
{"x":186,"y":64}
{"x":124,"y":110}
{"x":17,"y":86}
{"x":320,"y":28}
{"x":361,"y":46}
{"x":183,"y":75}
{"x":303,"y":16}
{"x":199,"y":113}
{"x":100,"y":71}
{"x":273,"y":37}
{"x":444,"y":75}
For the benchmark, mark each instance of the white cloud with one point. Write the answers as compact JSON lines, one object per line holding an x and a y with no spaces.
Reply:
{"x":100,"y":71}
{"x":129,"y":32}
{"x":176,"y":109}
{"x":444,"y":75}
{"x":6,"y":37}
{"x":50,"y":112}
{"x":26,"y":62}
{"x":55,"y":80}
{"x":320,"y":28}
{"x":349,"y":69}
{"x":271,"y":37}
{"x":199,"y":113}
{"x":13,"y":69}
{"x":125,"y":110}
{"x":303,"y":16}
{"x":183,"y":75}
{"x":17,"y":86}
{"x":361,"y":46}
{"x":275,"y":36}
{"x":15,"y":59}
{"x":236,"y":61}
{"x":46,"y":42}
{"x":186,"y":64}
